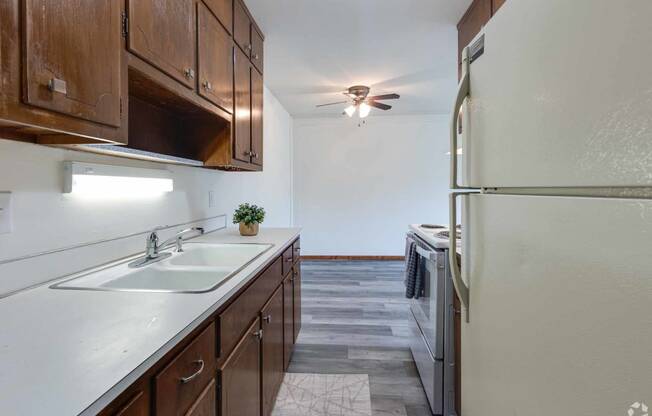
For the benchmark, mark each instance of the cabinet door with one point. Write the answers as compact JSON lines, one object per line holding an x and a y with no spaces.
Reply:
{"x":242,"y":128}
{"x":223,"y":9}
{"x":162,"y":32}
{"x":240,"y":377}
{"x":241,"y":27}
{"x":215,"y":60}
{"x":72,"y":53}
{"x":256,"y":118}
{"x":296,"y":280}
{"x":288,"y":320}
{"x":272,"y":349}
{"x":205,"y":404}
{"x":257,"y":51}
{"x":495,"y":5}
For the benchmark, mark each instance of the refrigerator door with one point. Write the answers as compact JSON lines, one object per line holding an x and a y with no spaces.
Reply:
{"x":560,"y":305}
{"x":561,"y":96}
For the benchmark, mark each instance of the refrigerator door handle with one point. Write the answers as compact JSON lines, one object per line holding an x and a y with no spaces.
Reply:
{"x":463,"y":91}
{"x":461,"y":288}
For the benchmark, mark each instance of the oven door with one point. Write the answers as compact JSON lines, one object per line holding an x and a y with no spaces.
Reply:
{"x":430,"y":308}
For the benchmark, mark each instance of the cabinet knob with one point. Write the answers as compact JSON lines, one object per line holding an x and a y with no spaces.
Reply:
{"x":258,"y":334}
{"x":267,"y":318}
{"x":248,"y":153}
{"x":249,"y":47}
{"x":255,"y":56}
{"x":254,"y":155}
{"x":57,"y":85}
{"x":208,"y":86}
{"x":190,"y":73}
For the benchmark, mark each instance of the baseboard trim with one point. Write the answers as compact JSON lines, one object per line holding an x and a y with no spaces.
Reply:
{"x":354,"y":258}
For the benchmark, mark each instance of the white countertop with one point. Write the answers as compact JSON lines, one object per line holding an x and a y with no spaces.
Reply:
{"x":70,"y":352}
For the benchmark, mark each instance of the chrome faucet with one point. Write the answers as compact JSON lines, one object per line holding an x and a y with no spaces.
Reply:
{"x":153,"y":248}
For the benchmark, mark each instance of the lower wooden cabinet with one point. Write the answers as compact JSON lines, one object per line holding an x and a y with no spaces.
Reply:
{"x":184,"y":379}
{"x":206,"y":403}
{"x":272,"y":350}
{"x":240,"y":376}
{"x":288,"y":320}
{"x":296,"y":289}
{"x":233,"y":364}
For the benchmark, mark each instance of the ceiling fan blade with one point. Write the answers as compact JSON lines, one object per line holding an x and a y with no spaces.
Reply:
{"x":379,"y":105}
{"x":339,"y":102}
{"x":385,"y":97}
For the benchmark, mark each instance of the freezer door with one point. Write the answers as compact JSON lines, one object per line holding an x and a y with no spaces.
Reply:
{"x":560,"y":305}
{"x":562,"y":96}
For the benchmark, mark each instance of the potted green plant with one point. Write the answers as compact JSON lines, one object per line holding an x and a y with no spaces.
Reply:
{"x":248,"y":216}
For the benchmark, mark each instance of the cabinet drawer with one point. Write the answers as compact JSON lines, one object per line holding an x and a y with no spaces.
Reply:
{"x":239,"y":315}
{"x":296,"y":250}
{"x":287,"y":260}
{"x":181,"y":382}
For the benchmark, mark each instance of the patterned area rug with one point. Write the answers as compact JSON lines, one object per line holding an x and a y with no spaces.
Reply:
{"x":323,"y":395}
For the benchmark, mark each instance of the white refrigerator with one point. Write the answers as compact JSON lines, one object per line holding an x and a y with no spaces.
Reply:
{"x":553,"y":185}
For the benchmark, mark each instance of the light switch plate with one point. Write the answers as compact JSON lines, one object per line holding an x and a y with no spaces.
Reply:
{"x":6,"y":220}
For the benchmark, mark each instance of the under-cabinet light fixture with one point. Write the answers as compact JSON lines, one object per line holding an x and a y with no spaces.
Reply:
{"x":110,"y":181}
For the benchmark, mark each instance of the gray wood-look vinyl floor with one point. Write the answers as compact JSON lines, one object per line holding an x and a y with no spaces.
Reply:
{"x":355,"y":322}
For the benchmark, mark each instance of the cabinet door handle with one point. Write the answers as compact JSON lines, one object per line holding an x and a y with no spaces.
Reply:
{"x":58,"y":85}
{"x":189,"y":73}
{"x":295,"y":273}
{"x":255,"y":56}
{"x":208,"y":86}
{"x":249,"y":47}
{"x":190,"y":378}
{"x":258,"y":334}
{"x":267,"y":318}
{"x":254,"y":155}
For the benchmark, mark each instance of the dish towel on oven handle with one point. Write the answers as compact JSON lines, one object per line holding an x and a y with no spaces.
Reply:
{"x":411,"y":270}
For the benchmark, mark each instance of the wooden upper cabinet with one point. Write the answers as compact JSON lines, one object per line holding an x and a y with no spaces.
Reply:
{"x":495,"y":5}
{"x":71,"y":58}
{"x":476,"y":16}
{"x":215,"y":60}
{"x":272,"y":349}
{"x":241,"y":27}
{"x":256,"y":118}
{"x":242,"y":110}
{"x":257,"y":52}
{"x":223,"y":9}
{"x":162,"y":32}
{"x":240,"y":377}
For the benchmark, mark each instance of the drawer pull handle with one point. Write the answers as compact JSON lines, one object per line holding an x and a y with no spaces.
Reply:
{"x":188,"y":379}
{"x":58,"y":85}
{"x":267,"y":318}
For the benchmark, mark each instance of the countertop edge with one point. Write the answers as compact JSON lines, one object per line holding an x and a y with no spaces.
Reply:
{"x":114,"y":392}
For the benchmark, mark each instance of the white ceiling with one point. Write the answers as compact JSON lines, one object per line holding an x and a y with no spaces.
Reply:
{"x":314,"y":49}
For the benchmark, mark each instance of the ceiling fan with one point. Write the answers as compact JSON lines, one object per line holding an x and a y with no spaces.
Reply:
{"x":361,"y":101}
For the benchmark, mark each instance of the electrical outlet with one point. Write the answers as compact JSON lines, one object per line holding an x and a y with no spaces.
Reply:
{"x":211,"y":199}
{"x":6,"y":223}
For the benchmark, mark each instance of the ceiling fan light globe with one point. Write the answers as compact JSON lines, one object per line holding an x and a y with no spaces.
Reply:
{"x":365,"y":109}
{"x":350,"y":110}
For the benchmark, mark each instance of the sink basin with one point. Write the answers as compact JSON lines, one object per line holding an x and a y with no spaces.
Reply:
{"x":200,"y":268}
{"x":228,"y":255}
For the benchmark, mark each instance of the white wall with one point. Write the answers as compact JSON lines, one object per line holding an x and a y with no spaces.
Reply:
{"x":356,"y":189}
{"x":46,"y":219}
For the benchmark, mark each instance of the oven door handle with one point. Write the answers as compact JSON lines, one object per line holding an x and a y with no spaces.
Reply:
{"x":426,"y":254}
